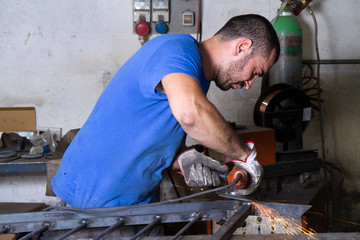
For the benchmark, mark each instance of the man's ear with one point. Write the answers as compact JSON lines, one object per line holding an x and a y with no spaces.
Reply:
{"x":243,"y":46}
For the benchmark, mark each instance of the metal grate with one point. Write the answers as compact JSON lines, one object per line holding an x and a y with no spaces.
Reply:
{"x":231,"y":213}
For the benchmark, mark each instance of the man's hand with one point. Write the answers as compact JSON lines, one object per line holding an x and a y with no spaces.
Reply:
{"x":200,"y":170}
{"x":252,"y":166}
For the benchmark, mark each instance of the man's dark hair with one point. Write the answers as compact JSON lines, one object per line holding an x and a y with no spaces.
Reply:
{"x":254,"y":27}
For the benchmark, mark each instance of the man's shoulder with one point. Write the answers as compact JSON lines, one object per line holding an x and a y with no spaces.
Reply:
{"x":174,"y":37}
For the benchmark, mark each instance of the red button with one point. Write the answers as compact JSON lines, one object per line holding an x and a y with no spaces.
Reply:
{"x":142,"y":28}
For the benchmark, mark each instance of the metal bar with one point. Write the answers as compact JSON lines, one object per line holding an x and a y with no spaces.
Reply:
{"x":35,"y":232}
{"x":81,"y":226}
{"x":333,"y":61}
{"x":147,"y":228}
{"x":235,"y":221}
{"x":187,"y":226}
{"x":294,"y":155}
{"x":110,"y":229}
{"x":291,"y":168}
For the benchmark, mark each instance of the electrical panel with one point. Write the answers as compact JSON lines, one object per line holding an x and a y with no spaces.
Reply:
{"x":165,"y":16}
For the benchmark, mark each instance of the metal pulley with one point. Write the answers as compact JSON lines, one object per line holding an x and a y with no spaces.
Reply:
{"x":284,"y":108}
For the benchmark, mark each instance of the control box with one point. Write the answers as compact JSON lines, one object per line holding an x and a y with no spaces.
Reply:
{"x":165,"y":16}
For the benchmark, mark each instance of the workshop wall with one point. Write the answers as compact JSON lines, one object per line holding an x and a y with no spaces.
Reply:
{"x":58,"y":56}
{"x":339,"y":82}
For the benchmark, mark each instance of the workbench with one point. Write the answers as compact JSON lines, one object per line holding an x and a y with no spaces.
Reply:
{"x":21,"y":165}
{"x":14,"y":120}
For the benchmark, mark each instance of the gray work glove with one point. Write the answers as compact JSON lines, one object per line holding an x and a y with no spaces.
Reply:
{"x":200,"y":170}
{"x":253,"y":168}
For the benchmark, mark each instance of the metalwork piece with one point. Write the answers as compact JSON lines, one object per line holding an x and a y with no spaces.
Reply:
{"x":235,"y":221}
{"x":284,"y":209}
{"x":157,"y":220}
{"x":104,"y":217}
{"x":81,"y":226}
{"x":187,"y":226}
{"x":67,"y":218}
{"x":110,"y":229}
{"x":36,"y":232}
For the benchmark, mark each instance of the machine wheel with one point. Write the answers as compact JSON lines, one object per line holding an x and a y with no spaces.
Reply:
{"x":275,"y":109}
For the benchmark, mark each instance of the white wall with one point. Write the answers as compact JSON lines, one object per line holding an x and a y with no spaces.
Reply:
{"x":59,"y":55}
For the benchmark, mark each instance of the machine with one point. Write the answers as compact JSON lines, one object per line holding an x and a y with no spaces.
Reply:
{"x":283,"y":105}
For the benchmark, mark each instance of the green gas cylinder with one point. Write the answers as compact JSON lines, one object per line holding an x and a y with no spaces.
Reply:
{"x":288,"y":68}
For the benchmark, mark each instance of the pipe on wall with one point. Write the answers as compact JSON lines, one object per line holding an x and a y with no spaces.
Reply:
{"x":333,"y":61}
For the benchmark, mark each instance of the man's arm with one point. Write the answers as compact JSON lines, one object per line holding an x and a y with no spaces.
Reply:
{"x":199,"y":117}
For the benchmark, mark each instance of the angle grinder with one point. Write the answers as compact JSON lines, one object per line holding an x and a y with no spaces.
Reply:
{"x":231,"y":176}
{"x":243,"y":183}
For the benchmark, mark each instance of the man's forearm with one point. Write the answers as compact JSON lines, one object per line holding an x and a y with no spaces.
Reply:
{"x":199,"y":117}
{"x":210,"y":129}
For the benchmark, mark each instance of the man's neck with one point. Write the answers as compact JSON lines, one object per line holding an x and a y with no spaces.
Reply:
{"x":208,"y":50}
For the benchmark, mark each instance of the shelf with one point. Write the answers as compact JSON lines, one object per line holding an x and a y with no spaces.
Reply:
{"x":21,"y":165}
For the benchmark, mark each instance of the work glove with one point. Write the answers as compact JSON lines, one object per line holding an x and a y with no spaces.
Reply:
{"x":200,"y":170}
{"x":252,"y":167}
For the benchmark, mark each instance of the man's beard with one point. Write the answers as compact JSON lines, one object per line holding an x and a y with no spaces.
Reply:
{"x":224,"y":77}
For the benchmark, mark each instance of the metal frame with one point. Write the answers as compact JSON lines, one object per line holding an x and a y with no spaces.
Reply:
{"x":233,"y":213}
{"x":23,"y":166}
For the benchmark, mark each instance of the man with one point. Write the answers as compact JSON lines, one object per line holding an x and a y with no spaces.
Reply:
{"x":137,"y":126}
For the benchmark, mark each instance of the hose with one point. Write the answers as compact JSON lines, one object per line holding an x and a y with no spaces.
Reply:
{"x":319,"y":90}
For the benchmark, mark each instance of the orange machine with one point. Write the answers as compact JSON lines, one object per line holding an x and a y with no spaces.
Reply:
{"x":264,"y":139}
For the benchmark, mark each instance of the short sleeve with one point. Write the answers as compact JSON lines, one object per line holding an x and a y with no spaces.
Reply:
{"x":174,"y":56}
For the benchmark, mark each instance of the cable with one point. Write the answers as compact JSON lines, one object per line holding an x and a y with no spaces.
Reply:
{"x":117,"y":209}
{"x":314,"y":87}
{"x":322,"y":138}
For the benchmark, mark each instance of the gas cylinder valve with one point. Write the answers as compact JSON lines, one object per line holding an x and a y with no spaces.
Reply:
{"x":298,"y":5}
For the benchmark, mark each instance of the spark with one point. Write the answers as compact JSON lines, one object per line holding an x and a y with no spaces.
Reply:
{"x":280,"y":224}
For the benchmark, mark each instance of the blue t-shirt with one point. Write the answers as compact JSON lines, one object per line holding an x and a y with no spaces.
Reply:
{"x":131,"y":136}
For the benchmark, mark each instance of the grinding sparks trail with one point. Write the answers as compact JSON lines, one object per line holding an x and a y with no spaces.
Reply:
{"x":280,"y":224}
